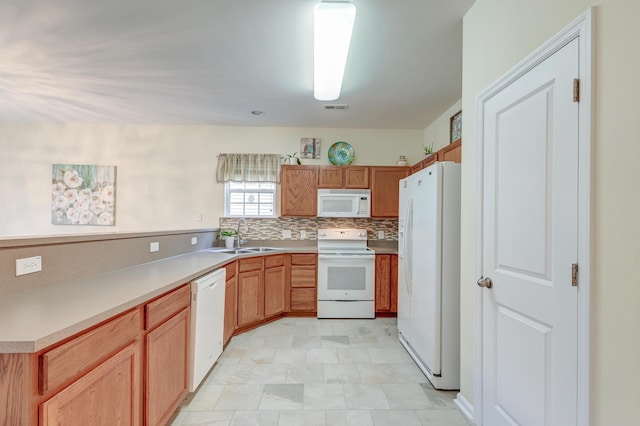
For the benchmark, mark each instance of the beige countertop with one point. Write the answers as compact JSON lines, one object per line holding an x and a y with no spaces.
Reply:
{"x":33,"y":320}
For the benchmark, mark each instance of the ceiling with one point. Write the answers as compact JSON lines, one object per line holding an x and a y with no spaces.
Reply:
{"x":213,"y":62}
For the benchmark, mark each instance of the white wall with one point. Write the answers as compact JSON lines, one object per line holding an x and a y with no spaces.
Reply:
{"x":165,"y":174}
{"x":497,"y":35}
{"x":438,"y":133}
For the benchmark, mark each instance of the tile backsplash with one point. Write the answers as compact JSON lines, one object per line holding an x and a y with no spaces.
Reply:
{"x":272,"y":228}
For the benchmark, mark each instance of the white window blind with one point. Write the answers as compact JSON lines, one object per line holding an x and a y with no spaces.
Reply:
{"x":257,"y":199}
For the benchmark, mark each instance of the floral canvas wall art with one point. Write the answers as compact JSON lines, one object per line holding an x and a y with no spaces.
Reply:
{"x":83,"y":195}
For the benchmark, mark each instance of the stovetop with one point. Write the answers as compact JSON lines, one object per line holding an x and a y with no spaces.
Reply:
{"x":343,"y":240}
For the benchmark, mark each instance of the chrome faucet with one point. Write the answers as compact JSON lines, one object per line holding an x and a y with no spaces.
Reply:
{"x":246,"y":228}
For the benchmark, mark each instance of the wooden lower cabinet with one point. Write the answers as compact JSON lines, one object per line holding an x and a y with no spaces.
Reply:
{"x":167,"y":368}
{"x":230,"y":301}
{"x":303,"y":283}
{"x":386,"y":283}
{"x":250,"y":291}
{"x":274,"y":285}
{"x":108,"y":395}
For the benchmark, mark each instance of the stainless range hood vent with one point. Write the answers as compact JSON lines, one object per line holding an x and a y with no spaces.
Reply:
{"x":336,"y":107}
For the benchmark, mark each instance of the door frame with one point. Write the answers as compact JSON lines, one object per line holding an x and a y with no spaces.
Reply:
{"x":581,"y":28}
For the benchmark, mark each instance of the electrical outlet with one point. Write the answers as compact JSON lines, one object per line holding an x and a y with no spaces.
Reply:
{"x":28,"y":265}
{"x":303,"y":234}
{"x":286,"y":233}
{"x":154,"y":247}
{"x":381,"y":235}
{"x":194,"y":241}
{"x":199,"y":217}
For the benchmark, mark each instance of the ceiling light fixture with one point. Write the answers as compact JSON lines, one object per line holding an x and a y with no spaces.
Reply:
{"x":332,"y":27}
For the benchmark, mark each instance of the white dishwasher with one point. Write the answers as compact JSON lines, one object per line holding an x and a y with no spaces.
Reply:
{"x":207,"y":324}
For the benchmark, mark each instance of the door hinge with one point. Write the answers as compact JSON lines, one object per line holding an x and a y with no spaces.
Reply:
{"x":576,"y":90}
{"x":574,"y":274}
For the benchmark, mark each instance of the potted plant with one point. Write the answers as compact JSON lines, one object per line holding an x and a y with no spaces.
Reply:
{"x":229,"y":238}
{"x":292,"y":159}
{"x":428,"y":149}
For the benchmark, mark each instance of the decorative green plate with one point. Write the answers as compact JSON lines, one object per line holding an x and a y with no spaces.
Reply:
{"x":341,"y":154}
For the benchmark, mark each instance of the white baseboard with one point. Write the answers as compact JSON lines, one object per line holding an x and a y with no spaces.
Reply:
{"x":465,"y":407}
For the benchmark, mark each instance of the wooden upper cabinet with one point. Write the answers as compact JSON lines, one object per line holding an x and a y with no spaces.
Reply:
{"x":429,"y":160}
{"x":451,"y":152}
{"x":356,"y":177}
{"x":330,"y":177}
{"x":385,"y":190}
{"x":298,"y":191}
{"x":353,"y":177}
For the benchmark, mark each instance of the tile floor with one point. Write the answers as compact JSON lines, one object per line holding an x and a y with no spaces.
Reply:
{"x":305,"y":371}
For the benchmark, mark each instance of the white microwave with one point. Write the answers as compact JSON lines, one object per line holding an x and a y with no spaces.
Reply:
{"x":344,"y":203}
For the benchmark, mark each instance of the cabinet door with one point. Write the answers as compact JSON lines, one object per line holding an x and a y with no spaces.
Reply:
{"x":167,"y":368}
{"x":303,"y":300}
{"x":274,"y":286}
{"x":429,"y":161}
{"x":416,"y":167}
{"x":298,"y":191}
{"x":330,"y":177}
{"x":451,"y":152}
{"x":385,"y":190}
{"x":107,"y":395}
{"x":394,"y":283}
{"x":230,"y":298}
{"x":356,"y":177}
{"x":383,"y":283}
{"x":250,"y":297}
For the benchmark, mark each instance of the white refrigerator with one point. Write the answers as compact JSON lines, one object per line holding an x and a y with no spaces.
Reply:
{"x":429,"y":272}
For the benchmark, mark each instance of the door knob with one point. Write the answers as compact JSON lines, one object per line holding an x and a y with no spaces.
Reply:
{"x":485,"y":282}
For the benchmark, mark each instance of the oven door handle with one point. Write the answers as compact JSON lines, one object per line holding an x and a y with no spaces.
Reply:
{"x":346,"y":256}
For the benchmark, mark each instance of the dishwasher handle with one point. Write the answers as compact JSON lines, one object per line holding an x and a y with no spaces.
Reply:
{"x":209,"y":281}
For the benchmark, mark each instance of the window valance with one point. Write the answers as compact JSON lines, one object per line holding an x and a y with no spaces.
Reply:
{"x":248,"y":168}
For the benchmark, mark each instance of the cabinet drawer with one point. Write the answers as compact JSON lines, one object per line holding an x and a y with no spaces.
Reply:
{"x":77,"y":356}
{"x":166,"y":306}
{"x":303,"y":276}
{"x":303,"y":259}
{"x":231,"y":270}
{"x":273,"y":261}
{"x":250,"y":264}
{"x":303,"y":299}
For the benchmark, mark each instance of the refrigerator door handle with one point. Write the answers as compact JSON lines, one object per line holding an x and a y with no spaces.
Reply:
{"x":408,"y":252}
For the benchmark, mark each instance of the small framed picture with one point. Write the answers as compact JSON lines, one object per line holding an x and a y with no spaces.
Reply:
{"x":456,"y":127}
{"x":310,"y":148}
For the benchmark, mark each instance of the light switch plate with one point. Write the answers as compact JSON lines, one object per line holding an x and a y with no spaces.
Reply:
{"x":153,"y":247}
{"x":303,"y":234}
{"x":286,"y":233}
{"x":381,"y":235}
{"x":28,"y":265}
{"x":194,"y":241}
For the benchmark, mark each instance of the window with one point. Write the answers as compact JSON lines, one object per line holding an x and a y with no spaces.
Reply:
{"x":256,"y":199}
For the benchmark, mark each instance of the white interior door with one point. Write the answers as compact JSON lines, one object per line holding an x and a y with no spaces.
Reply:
{"x":530,"y":241}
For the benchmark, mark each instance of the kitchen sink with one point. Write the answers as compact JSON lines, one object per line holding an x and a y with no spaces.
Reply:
{"x":260,"y":249}
{"x":227,"y":251}
{"x":244,"y":250}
